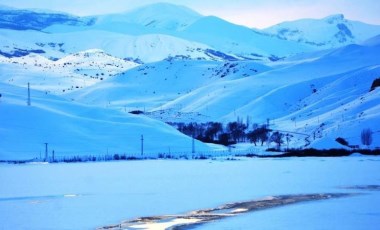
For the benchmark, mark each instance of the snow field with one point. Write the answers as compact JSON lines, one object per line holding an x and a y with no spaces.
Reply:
{"x":110,"y":192}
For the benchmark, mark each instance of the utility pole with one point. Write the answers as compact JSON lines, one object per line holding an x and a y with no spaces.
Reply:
{"x":142,"y":145}
{"x":268,"y":141}
{"x":193,"y":146}
{"x":28,"y":102}
{"x":46,"y":151}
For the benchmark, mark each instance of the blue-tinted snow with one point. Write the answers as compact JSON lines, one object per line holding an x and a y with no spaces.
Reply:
{"x":114,"y":191}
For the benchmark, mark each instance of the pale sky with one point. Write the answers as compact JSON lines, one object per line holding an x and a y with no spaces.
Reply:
{"x":251,"y":13}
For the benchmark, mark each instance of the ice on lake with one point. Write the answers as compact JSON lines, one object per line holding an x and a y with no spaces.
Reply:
{"x":91,"y":195}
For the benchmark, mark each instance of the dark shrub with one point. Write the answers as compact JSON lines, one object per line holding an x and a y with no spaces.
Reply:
{"x":136,"y":112}
{"x":342,"y":141}
{"x":375,"y":84}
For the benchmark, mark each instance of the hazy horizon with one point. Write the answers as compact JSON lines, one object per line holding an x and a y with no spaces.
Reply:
{"x":251,"y":13}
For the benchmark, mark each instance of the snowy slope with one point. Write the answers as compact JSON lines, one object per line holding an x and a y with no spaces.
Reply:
{"x":329,"y":32}
{"x":334,"y":62}
{"x":66,"y":74}
{"x":18,"y":19}
{"x":291,"y":96}
{"x":294,"y":95}
{"x":161,"y":27}
{"x":73,"y":129}
{"x":147,"y":48}
{"x":241,"y":40}
{"x":158,"y":16}
{"x":181,"y":22}
{"x":178,"y":27}
{"x":151,"y":85}
{"x":146,"y":29}
{"x":330,"y":107}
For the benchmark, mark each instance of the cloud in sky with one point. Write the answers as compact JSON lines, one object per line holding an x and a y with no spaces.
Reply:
{"x":252,"y":13}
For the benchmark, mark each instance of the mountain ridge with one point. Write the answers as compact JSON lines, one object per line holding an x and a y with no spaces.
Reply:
{"x":329,"y":32}
{"x":222,"y":36}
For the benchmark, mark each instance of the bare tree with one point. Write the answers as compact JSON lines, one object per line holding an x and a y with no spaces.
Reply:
{"x":253,"y":136}
{"x":236,"y":129}
{"x":276,"y":137}
{"x":366,"y":137}
{"x":288,"y":138}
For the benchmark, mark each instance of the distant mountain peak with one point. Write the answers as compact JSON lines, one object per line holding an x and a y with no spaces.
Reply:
{"x":329,"y":32}
{"x":36,"y":19}
{"x":156,"y":16}
{"x":163,"y":7}
{"x":334,"y":18}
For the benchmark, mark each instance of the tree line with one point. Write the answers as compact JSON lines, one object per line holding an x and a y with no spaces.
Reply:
{"x":231,"y":133}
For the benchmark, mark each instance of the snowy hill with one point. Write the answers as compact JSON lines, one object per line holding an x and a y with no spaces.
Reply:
{"x":151,"y":85}
{"x":324,"y":96}
{"x":146,"y":48}
{"x":137,"y":31}
{"x":329,"y":32}
{"x":241,"y":40}
{"x":298,"y":95}
{"x":159,"y":16}
{"x":290,"y":95}
{"x":73,"y":129}
{"x":72,"y":72}
{"x":16,"y":19}
{"x":179,"y":28}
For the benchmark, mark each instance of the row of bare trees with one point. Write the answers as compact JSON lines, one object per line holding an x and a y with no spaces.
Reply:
{"x":238,"y":131}
{"x":366,"y":137}
{"x":231,"y":133}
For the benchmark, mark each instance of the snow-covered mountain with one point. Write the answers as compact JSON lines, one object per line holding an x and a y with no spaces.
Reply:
{"x":69,"y":73}
{"x":332,"y":89}
{"x":152,"y":85}
{"x":299,"y":94}
{"x":159,"y":16}
{"x":178,"y":28}
{"x":87,"y":73}
{"x":19,"y":19}
{"x":240,"y":40}
{"x":332,"y":31}
{"x":146,"y":48}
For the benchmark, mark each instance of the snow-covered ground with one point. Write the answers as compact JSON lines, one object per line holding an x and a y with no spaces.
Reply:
{"x":87,"y":73}
{"x":359,"y":212}
{"x":73,"y":129}
{"x":90,"y":195}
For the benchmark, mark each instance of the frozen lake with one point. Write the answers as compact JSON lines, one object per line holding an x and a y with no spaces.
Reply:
{"x":91,"y":195}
